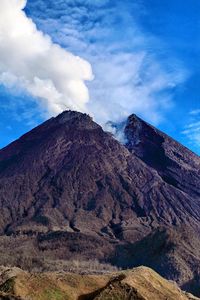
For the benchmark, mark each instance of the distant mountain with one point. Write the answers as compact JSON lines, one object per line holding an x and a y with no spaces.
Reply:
{"x":71,"y":190}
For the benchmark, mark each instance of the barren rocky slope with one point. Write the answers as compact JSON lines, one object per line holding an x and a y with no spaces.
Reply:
{"x":68,"y":174}
{"x":176,"y":165}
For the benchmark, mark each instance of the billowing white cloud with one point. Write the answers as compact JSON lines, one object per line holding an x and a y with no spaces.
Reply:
{"x":31,"y":60}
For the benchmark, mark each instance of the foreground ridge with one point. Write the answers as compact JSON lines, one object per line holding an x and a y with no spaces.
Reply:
{"x":137,"y":284}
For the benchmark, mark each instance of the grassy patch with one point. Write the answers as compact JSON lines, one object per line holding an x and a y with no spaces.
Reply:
{"x":54,"y":294}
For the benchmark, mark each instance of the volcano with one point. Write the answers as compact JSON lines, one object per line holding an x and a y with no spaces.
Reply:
{"x":68,"y":189}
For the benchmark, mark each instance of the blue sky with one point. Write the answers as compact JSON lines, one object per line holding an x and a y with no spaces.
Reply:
{"x":144,"y":55}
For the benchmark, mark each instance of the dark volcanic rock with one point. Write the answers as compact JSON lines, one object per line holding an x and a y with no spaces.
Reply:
{"x":70,"y":176}
{"x":177,"y":165}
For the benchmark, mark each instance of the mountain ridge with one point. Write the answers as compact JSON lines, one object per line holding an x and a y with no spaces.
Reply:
{"x":137,"y":284}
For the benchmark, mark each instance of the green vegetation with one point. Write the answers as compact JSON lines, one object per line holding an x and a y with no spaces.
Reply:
{"x":53,"y":294}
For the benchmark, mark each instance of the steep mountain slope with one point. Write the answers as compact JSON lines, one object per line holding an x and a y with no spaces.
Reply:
{"x":177,"y":165}
{"x":68,"y":174}
{"x":137,"y":284}
{"x":69,"y":190}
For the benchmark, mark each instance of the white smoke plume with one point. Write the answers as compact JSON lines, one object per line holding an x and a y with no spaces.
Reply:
{"x":31,"y":60}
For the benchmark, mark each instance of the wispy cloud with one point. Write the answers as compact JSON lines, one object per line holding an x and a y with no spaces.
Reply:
{"x":195,"y":112}
{"x":192,"y":129}
{"x":129,"y":77}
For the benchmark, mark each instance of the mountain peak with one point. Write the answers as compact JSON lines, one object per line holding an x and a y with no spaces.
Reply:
{"x":78,"y":119}
{"x":68,"y":115}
